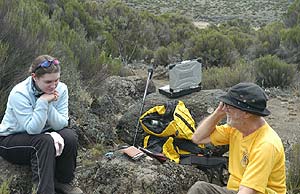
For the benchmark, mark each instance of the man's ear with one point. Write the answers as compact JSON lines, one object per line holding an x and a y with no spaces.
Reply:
{"x":246,"y":115}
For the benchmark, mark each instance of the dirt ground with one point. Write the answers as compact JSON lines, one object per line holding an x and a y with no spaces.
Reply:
{"x":285,"y":117}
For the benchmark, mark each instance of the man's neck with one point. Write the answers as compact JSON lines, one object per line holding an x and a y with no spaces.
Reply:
{"x":253,"y":125}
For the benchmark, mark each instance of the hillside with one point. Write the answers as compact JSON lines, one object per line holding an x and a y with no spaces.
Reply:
{"x":257,"y":12}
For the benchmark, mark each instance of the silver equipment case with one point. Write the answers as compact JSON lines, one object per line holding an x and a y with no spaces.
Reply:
{"x":184,"y":78}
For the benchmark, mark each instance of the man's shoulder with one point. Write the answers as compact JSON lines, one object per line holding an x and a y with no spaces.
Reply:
{"x":269,"y":136}
{"x":269,"y":133}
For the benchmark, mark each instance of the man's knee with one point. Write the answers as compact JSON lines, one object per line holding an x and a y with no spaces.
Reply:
{"x":198,"y":187}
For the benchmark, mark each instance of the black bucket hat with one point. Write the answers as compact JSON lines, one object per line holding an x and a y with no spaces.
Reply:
{"x":248,"y":97}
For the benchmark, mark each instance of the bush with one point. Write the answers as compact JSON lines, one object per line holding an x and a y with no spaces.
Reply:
{"x":223,"y":77}
{"x":269,"y":38}
{"x":292,"y":17}
{"x":213,"y":47}
{"x":240,"y":32}
{"x":4,"y":187}
{"x":161,"y":56}
{"x":181,"y":27}
{"x":291,"y":37}
{"x":241,"y":40}
{"x":293,"y":174}
{"x":20,"y":39}
{"x":273,"y":72}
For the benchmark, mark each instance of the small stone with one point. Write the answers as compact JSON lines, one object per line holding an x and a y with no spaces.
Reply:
{"x":210,"y":110}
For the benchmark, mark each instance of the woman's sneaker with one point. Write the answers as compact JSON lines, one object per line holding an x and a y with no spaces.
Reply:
{"x":67,"y":188}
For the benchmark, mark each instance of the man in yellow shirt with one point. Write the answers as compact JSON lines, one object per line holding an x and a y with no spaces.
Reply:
{"x":256,"y":154}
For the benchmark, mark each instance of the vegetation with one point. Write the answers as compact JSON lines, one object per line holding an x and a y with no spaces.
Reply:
{"x":225,"y":77}
{"x":97,"y":39}
{"x":293,"y":178}
{"x":4,"y":187}
{"x":272,"y":72}
{"x":218,"y":11}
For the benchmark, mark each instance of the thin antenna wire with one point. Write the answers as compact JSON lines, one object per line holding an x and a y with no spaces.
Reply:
{"x":150,"y":73}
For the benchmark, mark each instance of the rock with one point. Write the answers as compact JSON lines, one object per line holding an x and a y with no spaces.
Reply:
{"x":116,"y":94}
{"x":18,"y":177}
{"x":121,"y":175}
{"x":115,"y":97}
{"x":118,"y":175}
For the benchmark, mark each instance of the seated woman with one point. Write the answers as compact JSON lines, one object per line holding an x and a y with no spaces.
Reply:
{"x":34,"y":130}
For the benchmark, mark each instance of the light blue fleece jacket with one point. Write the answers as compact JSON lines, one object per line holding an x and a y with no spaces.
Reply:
{"x":27,"y":113}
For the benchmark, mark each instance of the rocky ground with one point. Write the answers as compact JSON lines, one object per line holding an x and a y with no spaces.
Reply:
{"x":257,"y":12}
{"x":285,"y":118}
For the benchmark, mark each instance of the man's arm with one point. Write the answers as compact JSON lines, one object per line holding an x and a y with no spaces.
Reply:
{"x":207,"y":126}
{"x":246,"y":190}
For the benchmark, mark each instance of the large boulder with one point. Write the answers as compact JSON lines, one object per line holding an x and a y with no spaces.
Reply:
{"x":116,"y":94}
{"x":114,"y":98}
{"x":117,"y":174}
{"x":121,"y":175}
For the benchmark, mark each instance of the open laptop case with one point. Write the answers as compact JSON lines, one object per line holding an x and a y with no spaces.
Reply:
{"x":184,"y":78}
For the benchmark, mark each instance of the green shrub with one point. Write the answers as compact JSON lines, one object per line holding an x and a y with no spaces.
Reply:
{"x":269,"y":38}
{"x":272,"y":72}
{"x":223,"y":77}
{"x":240,"y":32}
{"x":147,"y":55}
{"x":181,"y":27}
{"x":240,"y":40}
{"x":4,"y":187}
{"x":122,"y":30}
{"x":161,"y":56}
{"x":291,"y":38}
{"x":240,"y":24}
{"x":292,"y":17}
{"x":293,"y":172}
{"x":213,"y":47}
{"x":20,"y":36}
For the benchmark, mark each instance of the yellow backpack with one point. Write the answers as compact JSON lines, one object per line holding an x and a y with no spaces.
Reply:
{"x":170,"y":119}
{"x":169,"y":129}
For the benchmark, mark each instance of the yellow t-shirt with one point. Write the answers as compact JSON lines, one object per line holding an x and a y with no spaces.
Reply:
{"x":256,"y":161}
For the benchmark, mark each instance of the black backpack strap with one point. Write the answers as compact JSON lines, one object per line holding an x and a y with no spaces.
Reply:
{"x":155,"y":144}
{"x":203,"y":161}
{"x":213,"y":166}
{"x":189,"y":146}
{"x":170,"y":108}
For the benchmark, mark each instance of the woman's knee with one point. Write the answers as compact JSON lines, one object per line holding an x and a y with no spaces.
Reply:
{"x":69,"y":136}
{"x":43,"y":140}
{"x":43,"y":143}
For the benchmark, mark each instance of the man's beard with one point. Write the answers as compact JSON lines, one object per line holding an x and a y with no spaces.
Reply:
{"x":234,"y":120}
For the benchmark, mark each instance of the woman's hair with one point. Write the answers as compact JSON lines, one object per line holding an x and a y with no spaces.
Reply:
{"x":39,"y":70}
